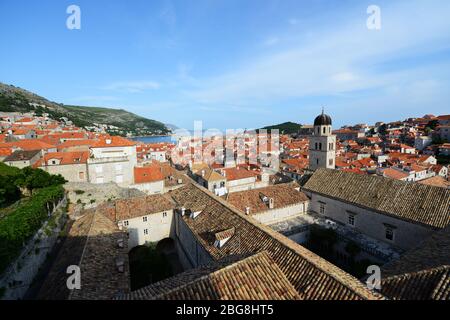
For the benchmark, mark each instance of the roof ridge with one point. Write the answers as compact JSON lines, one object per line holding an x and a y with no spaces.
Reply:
{"x":319,"y":262}
{"x":220,"y":270}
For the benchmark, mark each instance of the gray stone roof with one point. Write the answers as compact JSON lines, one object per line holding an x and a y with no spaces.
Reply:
{"x":312,"y":276}
{"x":254,"y":278}
{"x":413,"y":202}
{"x":22,"y":155}
{"x":431,"y":284}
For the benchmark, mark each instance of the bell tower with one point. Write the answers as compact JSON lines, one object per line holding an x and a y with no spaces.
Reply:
{"x":322,"y":144}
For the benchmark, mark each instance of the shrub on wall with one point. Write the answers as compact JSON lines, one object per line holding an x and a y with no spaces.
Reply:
{"x":21,"y":224}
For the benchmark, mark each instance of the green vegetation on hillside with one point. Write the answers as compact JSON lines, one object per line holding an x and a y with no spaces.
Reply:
{"x":285,"y":128}
{"x":13,"y":99}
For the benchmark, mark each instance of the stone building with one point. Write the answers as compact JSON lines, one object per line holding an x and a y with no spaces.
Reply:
{"x":270,"y":204}
{"x":22,"y":158}
{"x":71,"y":165}
{"x":112,"y":159}
{"x":322,"y":144}
{"x":396,"y":212}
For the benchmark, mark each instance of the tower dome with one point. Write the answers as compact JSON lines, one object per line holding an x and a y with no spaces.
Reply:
{"x":322,"y":120}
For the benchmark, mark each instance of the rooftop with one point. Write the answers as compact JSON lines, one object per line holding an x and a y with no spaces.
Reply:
{"x":413,"y":202}
{"x":283,"y":195}
{"x":312,"y":276}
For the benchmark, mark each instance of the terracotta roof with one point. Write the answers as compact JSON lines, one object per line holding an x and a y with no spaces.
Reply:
{"x":65,"y":158}
{"x":115,"y":141}
{"x":136,"y":207}
{"x":283,"y":195}
{"x":210,"y":175}
{"x":431,"y":284}
{"x":28,"y":144}
{"x":91,"y":244}
{"x":254,"y":278}
{"x":237,"y":174}
{"x":148,"y":174}
{"x":5,"y":151}
{"x":412,"y":202}
{"x":436,"y":181}
{"x":395,"y":173}
{"x":312,"y":276}
{"x":432,"y":253}
{"x":225,"y":234}
{"x":75,"y":143}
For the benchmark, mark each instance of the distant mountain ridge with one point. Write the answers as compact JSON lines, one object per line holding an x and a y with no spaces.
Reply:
{"x":118,"y":121}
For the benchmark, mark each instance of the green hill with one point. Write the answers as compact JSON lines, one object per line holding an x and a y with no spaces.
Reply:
{"x":285,"y":128}
{"x":14,"y":99}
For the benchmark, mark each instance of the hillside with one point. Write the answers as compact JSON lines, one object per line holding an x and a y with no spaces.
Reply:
{"x":285,"y":128}
{"x":118,"y":121}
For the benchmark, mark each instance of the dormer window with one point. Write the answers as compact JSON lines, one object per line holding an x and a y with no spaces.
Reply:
{"x":194,"y":214}
{"x":222,"y":237}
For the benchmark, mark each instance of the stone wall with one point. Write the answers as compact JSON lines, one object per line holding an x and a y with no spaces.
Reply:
{"x":371,"y":223}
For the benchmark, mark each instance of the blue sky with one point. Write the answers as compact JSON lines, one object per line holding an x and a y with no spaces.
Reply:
{"x":233,"y":63}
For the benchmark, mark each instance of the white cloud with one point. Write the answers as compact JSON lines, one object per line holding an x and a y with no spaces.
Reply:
{"x":271,"y":41}
{"x":132,"y":86}
{"x":338,"y":60}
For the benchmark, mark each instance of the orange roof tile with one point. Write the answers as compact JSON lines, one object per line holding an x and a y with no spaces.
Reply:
{"x":148,"y":174}
{"x":65,"y":158}
{"x":115,"y":141}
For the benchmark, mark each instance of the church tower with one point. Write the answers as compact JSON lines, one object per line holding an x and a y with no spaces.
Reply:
{"x":322,"y":144}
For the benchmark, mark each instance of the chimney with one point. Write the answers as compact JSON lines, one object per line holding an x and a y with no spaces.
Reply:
{"x":271,"y":203}
{"x":108,"y":141}
{"x":183,"y":211}
{"x":203,"y":173}
{"x":247,"y":210}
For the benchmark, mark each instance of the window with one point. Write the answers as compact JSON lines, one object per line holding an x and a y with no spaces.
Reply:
{"x":164,"y":214}
{"x":81,"y":175}
{"x":316,"y":146}
{"x":330,"y":162}
{"x":118,"y":167}
{"x":320,"y":146}
{"x":351,"y":219}
{"x":389,"y":233}
{"x":317,"y":161}
{"x":146,"y":232}
{"x":324,"y":130}
{"x":144,"y":219}
{"x":126,"y":223}
{"x":322,"y":208}
{"x":99,"y":169}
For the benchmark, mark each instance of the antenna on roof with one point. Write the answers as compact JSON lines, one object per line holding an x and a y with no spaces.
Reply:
{"x":323,"y":109}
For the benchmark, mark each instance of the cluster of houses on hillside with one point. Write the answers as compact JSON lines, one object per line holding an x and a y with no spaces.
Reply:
{"x":82,"y":156}
{"x":245,"y":229}
{"x":405,"y":150}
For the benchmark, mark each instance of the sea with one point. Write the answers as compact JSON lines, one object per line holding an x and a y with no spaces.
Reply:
{"x":154,"y":139}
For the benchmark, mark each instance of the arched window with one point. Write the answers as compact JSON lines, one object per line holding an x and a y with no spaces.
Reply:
{"x":324,"y":129}
{"x":317,"y":161}
{"x":316,"y":145}
{"x":320,"y":146}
